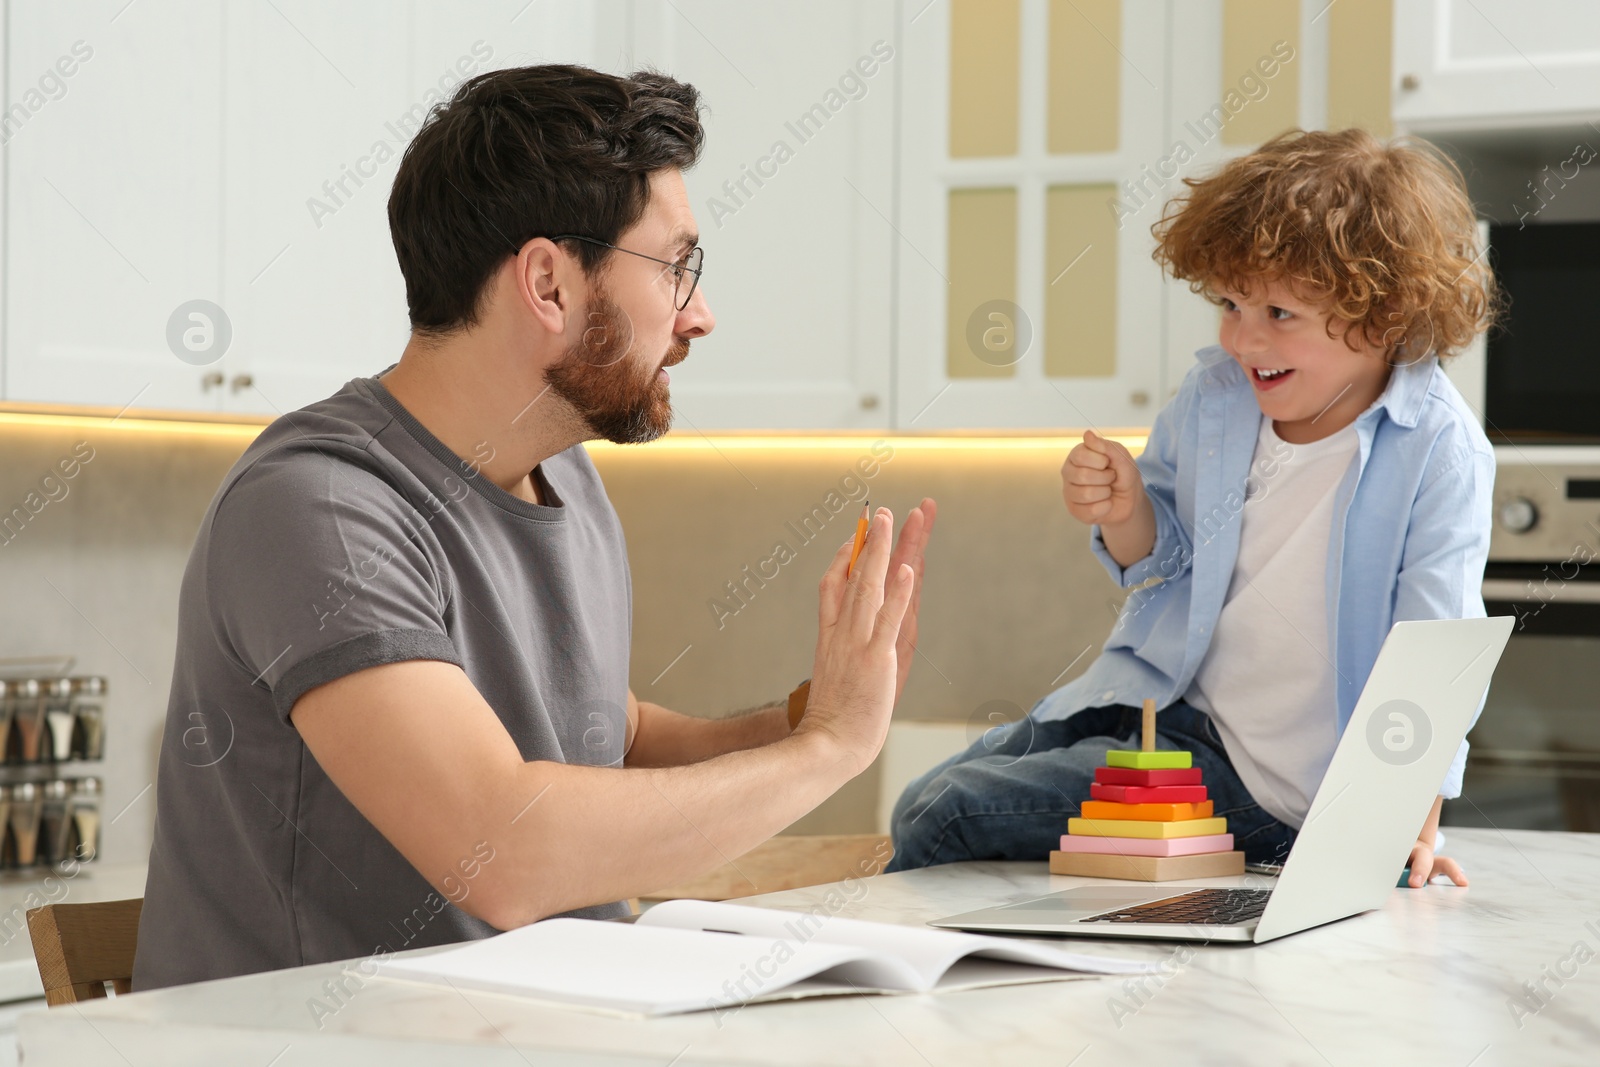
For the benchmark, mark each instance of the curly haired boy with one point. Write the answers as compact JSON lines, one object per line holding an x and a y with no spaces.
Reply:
{"x":1316,"y":479}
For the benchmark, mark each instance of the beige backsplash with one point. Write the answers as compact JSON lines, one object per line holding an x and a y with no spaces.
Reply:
{"x":1012,"y":595}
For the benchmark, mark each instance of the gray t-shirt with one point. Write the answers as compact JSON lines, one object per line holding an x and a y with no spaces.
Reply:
{"x":348,"y":536}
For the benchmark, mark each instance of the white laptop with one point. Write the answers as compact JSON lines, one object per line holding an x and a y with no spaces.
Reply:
{"x":1415,"y":709}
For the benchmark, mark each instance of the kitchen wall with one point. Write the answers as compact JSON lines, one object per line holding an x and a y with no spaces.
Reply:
{"x":95,"y":575}
{"x":1014,"y":603}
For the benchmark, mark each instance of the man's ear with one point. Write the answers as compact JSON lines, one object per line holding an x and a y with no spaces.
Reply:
{"x":545,"y":277}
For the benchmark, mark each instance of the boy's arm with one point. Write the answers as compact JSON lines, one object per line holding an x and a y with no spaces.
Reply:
{"x":1441,"y":569}
{"x":1441,"y":577}
{"x":1170,"y":552}
{"x":1424,"y":863}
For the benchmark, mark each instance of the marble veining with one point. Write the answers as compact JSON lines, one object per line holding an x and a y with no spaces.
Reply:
{"x":1434,"y":977}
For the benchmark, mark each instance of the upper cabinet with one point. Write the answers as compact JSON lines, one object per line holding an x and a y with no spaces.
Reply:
{"x":113,"y":148}
{"x":322,"y":99}
{"x":1495,"y":63}
{"x":1026,"y":294}
{"x":1041,"y":140}
{"x":197,"y":191}
{"x":917,"y":214}
{"x":794,"y":195}
{"x":316,"y":97}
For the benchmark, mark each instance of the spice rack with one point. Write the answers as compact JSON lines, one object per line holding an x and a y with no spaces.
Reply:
{"x":52,"y":744}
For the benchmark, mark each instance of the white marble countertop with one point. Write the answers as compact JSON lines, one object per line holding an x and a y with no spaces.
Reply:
{"x":19,"y":974}
{"x":1435,"y":977}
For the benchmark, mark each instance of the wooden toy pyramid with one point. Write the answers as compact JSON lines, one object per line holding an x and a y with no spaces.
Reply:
{"x":1148,"y":820}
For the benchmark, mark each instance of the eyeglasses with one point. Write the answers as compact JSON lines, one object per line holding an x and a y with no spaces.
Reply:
{"x":689,"y":264}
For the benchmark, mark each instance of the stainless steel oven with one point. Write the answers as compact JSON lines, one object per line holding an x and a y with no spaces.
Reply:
{"x":1535,"y":757}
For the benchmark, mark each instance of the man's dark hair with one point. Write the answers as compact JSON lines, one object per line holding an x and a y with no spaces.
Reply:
{"x":529,"y":152}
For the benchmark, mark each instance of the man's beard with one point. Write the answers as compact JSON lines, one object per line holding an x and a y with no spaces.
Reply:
{"x":598,"y":376}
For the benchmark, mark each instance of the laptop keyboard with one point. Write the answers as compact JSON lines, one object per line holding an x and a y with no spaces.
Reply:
{"x":1205,"y":907}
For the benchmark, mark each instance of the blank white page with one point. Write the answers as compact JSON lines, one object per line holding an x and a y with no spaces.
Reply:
{"x":639,"y":969}
{"x":930,"y":952}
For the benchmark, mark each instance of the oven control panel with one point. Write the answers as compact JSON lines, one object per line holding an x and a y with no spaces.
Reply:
{"x":1546,"y":504}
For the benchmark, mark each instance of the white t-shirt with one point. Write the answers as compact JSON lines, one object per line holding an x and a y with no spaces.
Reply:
{"x":1267,"y":680}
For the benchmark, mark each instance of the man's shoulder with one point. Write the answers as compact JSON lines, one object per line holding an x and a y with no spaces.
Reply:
{"x":337,"y":430}
{"x":324,"y":453}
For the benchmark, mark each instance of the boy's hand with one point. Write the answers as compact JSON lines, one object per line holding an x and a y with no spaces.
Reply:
{"x":1424,"y":865}
{"x":1100,"y":482}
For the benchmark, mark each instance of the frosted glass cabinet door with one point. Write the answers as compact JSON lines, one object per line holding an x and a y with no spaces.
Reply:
{"x":112,"y":206}
{"x":1027,"y":297}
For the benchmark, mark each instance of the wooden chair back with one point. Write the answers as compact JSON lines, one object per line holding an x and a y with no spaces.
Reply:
{"x":81,"y":947}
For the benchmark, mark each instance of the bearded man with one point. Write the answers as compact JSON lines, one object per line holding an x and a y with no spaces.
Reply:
{"x":400,"y":713}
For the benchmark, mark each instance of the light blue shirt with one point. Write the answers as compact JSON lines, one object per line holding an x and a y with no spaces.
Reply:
{"x":1410,"y":536}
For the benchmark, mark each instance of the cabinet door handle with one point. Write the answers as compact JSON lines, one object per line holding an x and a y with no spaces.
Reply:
{"x":210,"y":381}
{"x":241,"y":382}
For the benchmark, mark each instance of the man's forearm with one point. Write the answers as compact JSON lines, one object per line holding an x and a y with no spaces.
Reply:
{"x":598,"y":834}
{"x":669,"y":739}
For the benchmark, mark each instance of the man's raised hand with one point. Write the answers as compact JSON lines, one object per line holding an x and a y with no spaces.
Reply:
{"x":856,"y":675}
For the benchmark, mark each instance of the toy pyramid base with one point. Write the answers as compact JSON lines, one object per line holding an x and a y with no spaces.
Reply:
{"x":1147,"y":868}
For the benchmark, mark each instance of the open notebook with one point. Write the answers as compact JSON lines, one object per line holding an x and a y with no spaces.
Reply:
{"x":692,"y":955}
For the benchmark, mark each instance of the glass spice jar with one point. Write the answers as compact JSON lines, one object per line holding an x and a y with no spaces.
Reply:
{"x":84,"y":840}
{"x":25,"y":804}
{"x":89,"y":718}
{"x":55,"y":822}
{"x":27,"y":734}
{"x":56,"y":744}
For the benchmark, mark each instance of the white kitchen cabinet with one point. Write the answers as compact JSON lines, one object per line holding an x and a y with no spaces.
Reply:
{"x":322,"y":101}
{"x":1465,"y":64}
{"x":239,"y":153}
{"x":793,"y":196}
{"x":113,"y":198}
{"x":315,"y":94}
{"x":242,"y":153}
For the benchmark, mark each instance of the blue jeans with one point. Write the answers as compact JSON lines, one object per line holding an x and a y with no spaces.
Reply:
{"x":1009,"y":796}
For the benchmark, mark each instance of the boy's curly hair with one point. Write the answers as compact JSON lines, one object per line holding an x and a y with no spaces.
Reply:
{"x":1381,"y":234}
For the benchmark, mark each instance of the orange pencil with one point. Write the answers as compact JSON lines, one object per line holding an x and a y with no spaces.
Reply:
{"x":861,"y":537}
